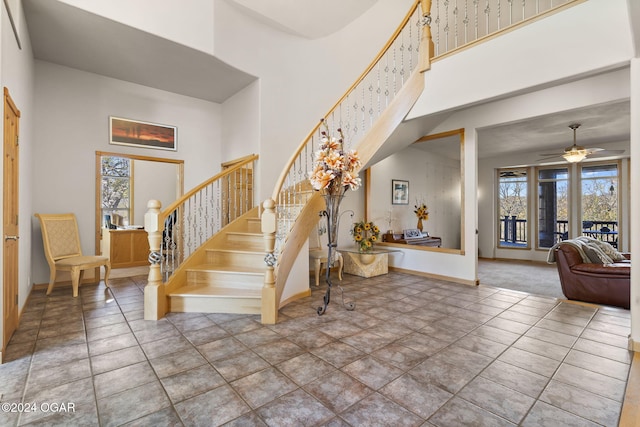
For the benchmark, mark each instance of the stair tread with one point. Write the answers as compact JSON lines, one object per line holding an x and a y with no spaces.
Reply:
{"x":216,"y":291}
{"x":245,"y":233}
{"x":239,"y":247}
{"x":227,"y":269}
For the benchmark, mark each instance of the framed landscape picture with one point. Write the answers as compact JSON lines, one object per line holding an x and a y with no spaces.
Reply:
{"x":135,"y":133}
{"x":399,"y":192}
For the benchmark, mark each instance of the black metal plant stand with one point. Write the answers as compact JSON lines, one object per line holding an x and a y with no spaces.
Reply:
{"x":332,"y":213}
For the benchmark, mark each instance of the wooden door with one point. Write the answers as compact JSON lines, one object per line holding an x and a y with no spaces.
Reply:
{"x":10,"y":219}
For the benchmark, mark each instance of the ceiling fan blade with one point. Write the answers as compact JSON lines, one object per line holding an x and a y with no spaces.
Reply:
{"x":551,"y":155}
{"x":603,"y":153}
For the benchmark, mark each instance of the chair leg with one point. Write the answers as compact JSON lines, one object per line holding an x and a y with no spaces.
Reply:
{"x":52,"y":279}
{"x":317,"y":271}
{"x":340,"y":266}
{"x":107,"y":270}
{"x":75,"y":280}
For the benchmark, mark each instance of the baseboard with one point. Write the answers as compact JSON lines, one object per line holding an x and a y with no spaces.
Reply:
{"x":64,"y":284}
{"x":303,"y":294}
{"x":435,"y":276}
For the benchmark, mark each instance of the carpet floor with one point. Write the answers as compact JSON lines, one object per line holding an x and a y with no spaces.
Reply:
{"x":526,"y":276}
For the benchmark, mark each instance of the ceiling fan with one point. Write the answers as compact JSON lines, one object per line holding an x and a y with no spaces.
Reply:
{"x":576,"y":153}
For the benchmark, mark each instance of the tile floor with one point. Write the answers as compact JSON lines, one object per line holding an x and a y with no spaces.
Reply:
{"x":415,"y":352}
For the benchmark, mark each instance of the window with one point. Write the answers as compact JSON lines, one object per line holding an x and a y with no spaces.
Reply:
{"x":116,"y":187}
{"x":599,"y":186}
{"x":553,"y":206}
{"x":512,"y":201}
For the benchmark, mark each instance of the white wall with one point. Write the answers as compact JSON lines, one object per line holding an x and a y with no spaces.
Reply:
{"x":17,"y":74}
{"x":72,"y":123}
{"x":241,"y":130}
{"x":152,"y":180}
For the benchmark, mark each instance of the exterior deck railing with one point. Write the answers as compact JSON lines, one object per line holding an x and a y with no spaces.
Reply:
{"x":513,"y":231}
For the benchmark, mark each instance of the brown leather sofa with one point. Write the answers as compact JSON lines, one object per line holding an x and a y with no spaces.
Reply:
{"x":607,"y":284}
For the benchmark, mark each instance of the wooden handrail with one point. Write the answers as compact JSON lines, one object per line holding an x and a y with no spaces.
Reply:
{"x":244,"y":161}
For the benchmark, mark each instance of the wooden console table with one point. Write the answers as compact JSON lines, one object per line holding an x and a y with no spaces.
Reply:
{"x":126,"y":248}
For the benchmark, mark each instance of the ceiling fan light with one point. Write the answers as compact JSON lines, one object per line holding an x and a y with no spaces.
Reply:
{"x":575,"y":156}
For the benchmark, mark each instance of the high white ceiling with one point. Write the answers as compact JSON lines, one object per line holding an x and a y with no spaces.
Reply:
{"x":307,"y":18}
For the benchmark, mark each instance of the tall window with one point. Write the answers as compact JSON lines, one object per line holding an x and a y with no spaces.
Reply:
{"x":116,"y":186}
{"x":553,"y":206}
{"x":512,"y":201}
{"x":600,"y":202}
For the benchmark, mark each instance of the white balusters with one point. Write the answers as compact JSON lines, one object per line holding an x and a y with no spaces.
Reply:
{"x":459,"y":22}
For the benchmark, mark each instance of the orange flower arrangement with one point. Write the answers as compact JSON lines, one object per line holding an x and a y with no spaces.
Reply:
{"x":335,"y":171}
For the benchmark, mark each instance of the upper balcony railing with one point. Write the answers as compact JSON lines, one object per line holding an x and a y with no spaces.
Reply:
{"x":457,"y":23}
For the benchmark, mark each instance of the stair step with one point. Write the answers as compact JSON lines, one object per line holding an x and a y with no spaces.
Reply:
{"x":231,"y":276}
{"x":244,"y":237}
{"x":242,"y":258}
{"x":215,"y":292}
{"x":216,"y":299}
{"x":254,"y":225}
{"x":249,"y":246}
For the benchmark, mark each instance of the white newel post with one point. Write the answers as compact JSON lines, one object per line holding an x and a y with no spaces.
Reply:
{"x":268,"y":228}
{"x":154,"y":297}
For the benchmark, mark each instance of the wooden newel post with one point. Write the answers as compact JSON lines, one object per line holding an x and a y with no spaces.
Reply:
{"x":268,"y":228}
{"x":154,"y":297}
{"x":427,"y":48}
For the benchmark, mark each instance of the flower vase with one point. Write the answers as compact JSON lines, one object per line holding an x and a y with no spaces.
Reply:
{"x":419,"y":227}
{"x":367,"y":258}
{"x":332,"y":213}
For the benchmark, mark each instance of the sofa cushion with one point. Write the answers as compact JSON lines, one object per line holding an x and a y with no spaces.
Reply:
{"x":596,"y":255}
{"x":605,"y":247}
{"x":610,"y":251}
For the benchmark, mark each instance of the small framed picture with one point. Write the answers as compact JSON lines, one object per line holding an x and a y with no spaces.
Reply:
{"x":142,"y":134}
{"x":399,"y":192}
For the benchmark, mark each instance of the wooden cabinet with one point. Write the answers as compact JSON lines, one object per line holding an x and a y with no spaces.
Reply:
{"x":126,"y":248}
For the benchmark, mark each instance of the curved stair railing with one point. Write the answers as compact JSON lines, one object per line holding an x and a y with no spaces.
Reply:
{"x":367,"y":114}
{"x":178,"y":231}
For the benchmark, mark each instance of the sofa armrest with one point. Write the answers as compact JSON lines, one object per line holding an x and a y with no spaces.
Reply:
{"x":620,"y":270}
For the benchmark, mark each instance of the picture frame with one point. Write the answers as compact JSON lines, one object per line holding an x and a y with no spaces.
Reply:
{"x":399,"y":192}
{"x":135,"y":133}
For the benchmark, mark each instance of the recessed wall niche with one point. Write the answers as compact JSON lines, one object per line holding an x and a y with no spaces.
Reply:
{"x":433,"y":167}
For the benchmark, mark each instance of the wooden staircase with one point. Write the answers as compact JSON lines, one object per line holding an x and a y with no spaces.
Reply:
{"x":231,"y":278}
